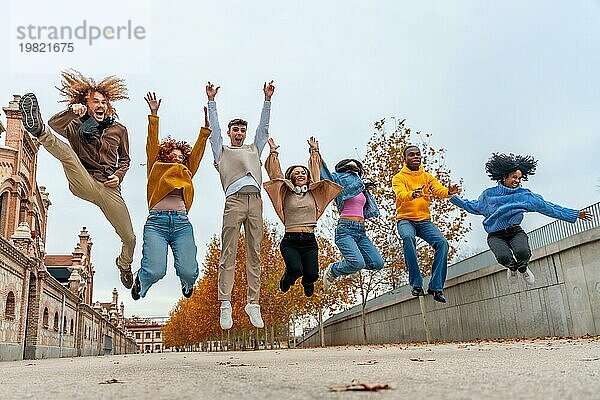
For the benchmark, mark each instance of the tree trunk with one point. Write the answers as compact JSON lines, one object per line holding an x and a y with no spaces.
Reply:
{"x":321,"y":328}
{"x":272,"y":337}
{"x":294,"y":331}
{"x":363,"y":316}
{"x":256,"y":339}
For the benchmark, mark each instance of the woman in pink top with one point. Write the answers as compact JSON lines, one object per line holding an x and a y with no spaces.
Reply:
{"x":355,"y":204}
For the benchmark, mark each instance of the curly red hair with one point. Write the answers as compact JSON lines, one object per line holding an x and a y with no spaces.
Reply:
{"x":168,"y":145}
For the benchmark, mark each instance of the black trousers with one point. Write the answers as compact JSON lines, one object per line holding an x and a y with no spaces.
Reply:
{"x":300,"y":253}
{"x":511,"y":247}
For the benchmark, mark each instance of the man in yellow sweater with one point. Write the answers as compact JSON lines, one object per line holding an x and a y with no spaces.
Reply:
{"x":413,"y":188}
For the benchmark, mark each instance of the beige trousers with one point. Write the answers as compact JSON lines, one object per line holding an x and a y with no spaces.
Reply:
{"x":87,"y":188}
{"x":246,"y":209}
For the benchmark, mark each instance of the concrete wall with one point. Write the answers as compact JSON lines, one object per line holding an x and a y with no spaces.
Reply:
{"x":564,"y":301}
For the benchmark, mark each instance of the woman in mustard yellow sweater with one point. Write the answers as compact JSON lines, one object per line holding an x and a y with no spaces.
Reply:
{"x":171,"y":166}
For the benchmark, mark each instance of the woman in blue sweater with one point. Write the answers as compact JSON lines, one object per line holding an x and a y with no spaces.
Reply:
{"x":503,"y":207}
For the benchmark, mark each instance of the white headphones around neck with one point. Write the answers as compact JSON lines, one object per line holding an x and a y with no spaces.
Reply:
{"x":300,"y":189}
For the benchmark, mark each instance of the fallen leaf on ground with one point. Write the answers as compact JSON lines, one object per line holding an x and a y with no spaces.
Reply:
{"x":421,"y":360}
{"x":357,"y":385}
{"x":230,"y":364}
{"x":111,"y":381}
{"x":590,"y":359}
{"x":368,"y":362}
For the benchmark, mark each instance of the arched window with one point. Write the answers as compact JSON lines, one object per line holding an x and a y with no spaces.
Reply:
{"x":3,"y":212}
{"x":56,"y":321}
{"x":45,"y":318}
{"x":85,"y":332}
{"x":72,"y":328}
{"x":64,"y":324}
{"x":9,"y":312}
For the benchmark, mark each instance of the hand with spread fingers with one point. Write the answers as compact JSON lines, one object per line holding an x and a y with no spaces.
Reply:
{"x":153,"y":103}
{"x":211,"y":91}
{"x":453,"y":189}
{"x":313,"y":144}
{"x":585,"y":215}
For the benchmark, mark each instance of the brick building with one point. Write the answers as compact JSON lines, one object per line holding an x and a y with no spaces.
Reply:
{"x":46,"y":307}
{"x":147,"y":333}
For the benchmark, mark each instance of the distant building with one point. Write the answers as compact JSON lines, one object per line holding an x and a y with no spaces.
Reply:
{"x":46,"y":305}
{"x":147,"y":333}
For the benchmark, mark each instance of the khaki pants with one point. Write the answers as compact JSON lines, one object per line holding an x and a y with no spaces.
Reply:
{"x":87,"y":188}
{"x":241,"y":208}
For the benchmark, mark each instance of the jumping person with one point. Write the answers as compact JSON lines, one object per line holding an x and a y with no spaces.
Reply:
{"x":413,"y":188}
{"x":97,"y":159}
{"x":241,"y":177}
{"x":299,"y":198}
{"x":503,"y":207}
{"x":355,"y":204}
{"x":170,"y":167}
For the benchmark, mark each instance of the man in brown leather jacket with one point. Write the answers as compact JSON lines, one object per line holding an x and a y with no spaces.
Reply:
{"x":97,"y":159}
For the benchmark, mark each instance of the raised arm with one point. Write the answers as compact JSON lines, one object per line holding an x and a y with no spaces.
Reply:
{"x":324,"y":172}
{"x":441,"y":191}
{"x":537,"y":203}
{"x":262,"y":130}
{"x":470,"y":206}
{"x":200,"y":145}
{"x":152,"y":143}
{"x":272,"y":164}
{"x":216,"y":140}
{"x":314,"y":160}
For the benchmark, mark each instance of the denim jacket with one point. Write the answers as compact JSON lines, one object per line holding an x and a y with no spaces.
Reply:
{"x":352,"y":185}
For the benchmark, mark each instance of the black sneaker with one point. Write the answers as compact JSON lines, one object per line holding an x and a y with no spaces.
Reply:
{"x":136,"y":289}
{"x":283,"y":284}
{"x":437,"y":295}
{"x":30,"y":114}
{"x":188,"y":293}
{"x":417,"y":291}
{"x":309,"y":289}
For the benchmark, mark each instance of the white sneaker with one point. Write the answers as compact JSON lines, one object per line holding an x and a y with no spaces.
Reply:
{"x":226,"y":320}
{"x":529,"y":277}
{"x":328,"y":278}
{"x":253,"y":311}
{"x":511,"y":276}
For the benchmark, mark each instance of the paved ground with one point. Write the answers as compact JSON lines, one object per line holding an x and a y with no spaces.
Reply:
{"x":540,"y":369}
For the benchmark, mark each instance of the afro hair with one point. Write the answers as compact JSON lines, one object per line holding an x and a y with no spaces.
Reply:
{"x":500,"y":165}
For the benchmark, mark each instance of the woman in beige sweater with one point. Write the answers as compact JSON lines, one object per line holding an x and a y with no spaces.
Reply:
{"x":299,"y":199}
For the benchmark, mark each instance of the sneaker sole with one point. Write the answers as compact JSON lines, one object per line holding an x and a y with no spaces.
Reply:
{"x":30,"y":114}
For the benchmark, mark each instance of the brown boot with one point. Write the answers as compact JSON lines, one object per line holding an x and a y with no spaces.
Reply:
{"x":126,"y":275}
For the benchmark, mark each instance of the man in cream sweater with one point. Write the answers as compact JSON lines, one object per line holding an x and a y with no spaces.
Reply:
{"x":241,"y":177}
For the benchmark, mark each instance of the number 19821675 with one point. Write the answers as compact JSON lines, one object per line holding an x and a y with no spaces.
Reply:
{"x":46,"y":47}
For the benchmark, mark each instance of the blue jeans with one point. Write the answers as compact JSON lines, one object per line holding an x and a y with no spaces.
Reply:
{"x":426,"y":230}
{"x":163,"y":229}
{"x":357,"y":249}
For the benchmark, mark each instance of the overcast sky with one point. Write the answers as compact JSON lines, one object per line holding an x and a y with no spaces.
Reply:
{"x":507,"y":76}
